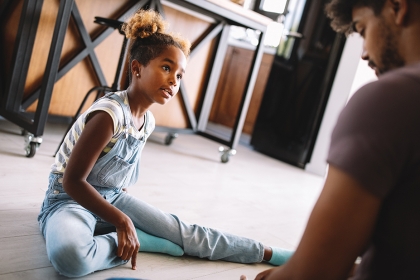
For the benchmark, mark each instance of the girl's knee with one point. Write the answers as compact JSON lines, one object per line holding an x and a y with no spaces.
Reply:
{"x":70,"y":261}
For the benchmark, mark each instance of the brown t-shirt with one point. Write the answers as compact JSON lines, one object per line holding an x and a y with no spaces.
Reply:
{"x":377,"y":141}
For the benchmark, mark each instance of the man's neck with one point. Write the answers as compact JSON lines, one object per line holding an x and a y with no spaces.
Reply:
{"x":410,"y":36}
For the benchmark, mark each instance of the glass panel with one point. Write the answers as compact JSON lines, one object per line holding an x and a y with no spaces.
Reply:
{"x":274,"y":6}
{"x":273,"y":34}
{"x":291,"y":24}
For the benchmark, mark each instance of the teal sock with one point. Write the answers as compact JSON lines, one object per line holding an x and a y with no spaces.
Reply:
{"x":150,"y":243}
{"x":280,"y":256}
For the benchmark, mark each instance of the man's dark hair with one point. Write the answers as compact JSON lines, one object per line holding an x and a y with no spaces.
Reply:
{"x":340,"y":12}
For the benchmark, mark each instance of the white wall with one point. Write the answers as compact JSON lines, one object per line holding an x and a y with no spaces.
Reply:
{"x":364,"y":75}
{"x":352,"y":73}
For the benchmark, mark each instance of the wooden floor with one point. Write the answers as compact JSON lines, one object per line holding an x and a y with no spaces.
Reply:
{"x":252,"y":195}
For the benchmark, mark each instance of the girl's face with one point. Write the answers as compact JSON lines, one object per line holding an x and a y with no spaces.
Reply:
{"x":159,"y":80}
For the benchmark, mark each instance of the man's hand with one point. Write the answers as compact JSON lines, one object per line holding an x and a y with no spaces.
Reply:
{"x":264,"y":274}
{"x":338,"y":230}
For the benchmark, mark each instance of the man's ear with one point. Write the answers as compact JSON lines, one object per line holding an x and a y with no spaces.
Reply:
{"x":400,"y":8}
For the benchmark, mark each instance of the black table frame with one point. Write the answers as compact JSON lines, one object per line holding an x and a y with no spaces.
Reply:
{"x":13,"y":106}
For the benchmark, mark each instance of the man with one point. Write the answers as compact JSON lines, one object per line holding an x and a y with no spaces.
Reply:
{"x":370,"y":203}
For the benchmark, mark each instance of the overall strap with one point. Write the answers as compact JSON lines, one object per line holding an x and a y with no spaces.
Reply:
{"x":146,"y":123}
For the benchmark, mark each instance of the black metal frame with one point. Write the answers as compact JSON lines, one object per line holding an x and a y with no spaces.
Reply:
{"x":12,"y":92}
{"x":13,"y":107}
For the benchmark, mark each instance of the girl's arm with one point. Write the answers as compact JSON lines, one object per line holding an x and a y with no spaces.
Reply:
{"x":96,"y":135}
{"x":338,"y":230}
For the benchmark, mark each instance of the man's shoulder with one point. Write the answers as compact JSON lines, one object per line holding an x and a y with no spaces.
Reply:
{"x":398,"y":82}
{"x":403,"y":76}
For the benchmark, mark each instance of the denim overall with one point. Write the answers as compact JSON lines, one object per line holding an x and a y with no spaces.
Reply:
{"x":74,"y":246}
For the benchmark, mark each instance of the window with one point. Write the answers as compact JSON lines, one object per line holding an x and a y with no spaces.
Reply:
{"x":271,"y":8}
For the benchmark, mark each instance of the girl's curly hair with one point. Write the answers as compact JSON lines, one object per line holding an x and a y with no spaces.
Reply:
{"x":146,"y":29}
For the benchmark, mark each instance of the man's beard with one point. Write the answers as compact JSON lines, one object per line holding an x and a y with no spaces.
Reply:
{"x":389,"y":57}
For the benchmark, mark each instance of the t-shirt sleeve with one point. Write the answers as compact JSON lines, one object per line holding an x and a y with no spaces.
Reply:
{"x":371,"y":140}
{"x":113,"y":109}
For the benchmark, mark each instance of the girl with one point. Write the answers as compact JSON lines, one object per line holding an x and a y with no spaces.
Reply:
{"x":88,"y":221}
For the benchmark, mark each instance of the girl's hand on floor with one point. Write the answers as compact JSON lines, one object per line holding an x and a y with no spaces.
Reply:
{"x":128,"y":243}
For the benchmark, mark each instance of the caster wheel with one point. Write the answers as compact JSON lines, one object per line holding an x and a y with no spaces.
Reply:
{"x":32,"y":144}
{"x":31,"y":149}
{"x":226,"y":154}
{"x":225,"y":158}
{"x":169,"y":138}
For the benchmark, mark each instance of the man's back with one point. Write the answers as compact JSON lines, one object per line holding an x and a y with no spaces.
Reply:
{"x":376,"y":141}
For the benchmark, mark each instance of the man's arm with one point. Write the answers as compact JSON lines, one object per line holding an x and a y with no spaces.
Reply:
{"x":338,"y":230}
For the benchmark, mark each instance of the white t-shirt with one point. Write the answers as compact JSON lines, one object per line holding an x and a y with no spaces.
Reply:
{"x":114,"y":109}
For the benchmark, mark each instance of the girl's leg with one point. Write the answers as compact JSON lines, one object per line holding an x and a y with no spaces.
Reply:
{"x":71,"y":246}
{"x":151,"y":243}
{"x":148,"y":243}
{"x":194,"y":239}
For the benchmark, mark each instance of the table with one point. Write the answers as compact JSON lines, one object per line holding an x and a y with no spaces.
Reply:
{"x":224,"y":13}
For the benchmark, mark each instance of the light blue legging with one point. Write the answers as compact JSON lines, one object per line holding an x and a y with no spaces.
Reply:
{"x":74,"y":251}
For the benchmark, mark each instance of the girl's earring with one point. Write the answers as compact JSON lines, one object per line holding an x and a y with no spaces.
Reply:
{"x":137,"y":75}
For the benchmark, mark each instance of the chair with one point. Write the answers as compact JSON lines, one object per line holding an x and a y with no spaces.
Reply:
{"x":101,"y":90}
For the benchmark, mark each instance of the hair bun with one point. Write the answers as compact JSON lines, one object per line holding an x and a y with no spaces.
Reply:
{"x":143,"y":24}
